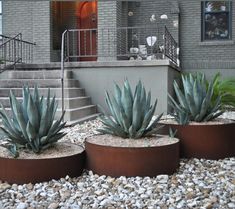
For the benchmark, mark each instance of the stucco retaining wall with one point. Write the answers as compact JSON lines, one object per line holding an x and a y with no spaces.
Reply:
{"x":156,"y":76}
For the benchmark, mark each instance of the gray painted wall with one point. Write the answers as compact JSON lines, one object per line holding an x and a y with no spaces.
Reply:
{"x":157,"y":78}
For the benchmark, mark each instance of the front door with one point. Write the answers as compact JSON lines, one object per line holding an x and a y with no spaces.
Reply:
{"x":87,"y":40}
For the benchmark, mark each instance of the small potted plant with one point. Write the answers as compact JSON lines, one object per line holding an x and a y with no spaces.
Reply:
{"x":128,"y":144}
{"x":195,"y":111}
{"x":31,"y":138}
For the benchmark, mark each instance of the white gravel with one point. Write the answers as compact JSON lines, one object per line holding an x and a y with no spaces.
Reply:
{"x":198,"y":183}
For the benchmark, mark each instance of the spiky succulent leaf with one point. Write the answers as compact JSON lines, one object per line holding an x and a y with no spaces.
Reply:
{"x":25,"y":102}
{"x":127,"y":102}
{"x":32,"y":124}
{"x":32,"y":113}
{"x":12,"y":148}
{"x":130,"y":114}
{"x":17,"y":111}
{"x":194,"y":102}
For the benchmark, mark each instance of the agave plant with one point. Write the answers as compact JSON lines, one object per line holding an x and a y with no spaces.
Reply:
{"x":33,"y":124}
{"x":131,"y":115}
{"x":194,"y":102}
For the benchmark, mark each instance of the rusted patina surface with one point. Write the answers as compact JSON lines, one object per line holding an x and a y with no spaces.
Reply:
{"x":214,"y":141}
{"x":21,"y":171}
{"x":127,"y":161}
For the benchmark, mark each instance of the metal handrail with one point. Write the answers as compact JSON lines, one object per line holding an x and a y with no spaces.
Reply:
{"x":14,"y":50}
{"x":10,"y":38}
{"x":62,"y":67}
{"x":170,"y":46}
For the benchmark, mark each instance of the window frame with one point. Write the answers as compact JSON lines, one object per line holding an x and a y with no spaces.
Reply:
{"x":203,"y":29}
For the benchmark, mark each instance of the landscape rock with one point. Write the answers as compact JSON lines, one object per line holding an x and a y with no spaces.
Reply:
{"x":198,"y":183}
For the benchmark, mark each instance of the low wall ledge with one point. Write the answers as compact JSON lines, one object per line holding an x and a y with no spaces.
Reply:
{"x":100,"y":64}
{"x":142,"y":63}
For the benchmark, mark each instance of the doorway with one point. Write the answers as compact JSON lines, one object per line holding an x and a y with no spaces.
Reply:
{"x":87,"y":37}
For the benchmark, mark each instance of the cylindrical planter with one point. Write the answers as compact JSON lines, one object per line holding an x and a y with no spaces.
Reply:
{"x":209,"y":141}
{"x":132,"y":161}
{"x":21,"y":171}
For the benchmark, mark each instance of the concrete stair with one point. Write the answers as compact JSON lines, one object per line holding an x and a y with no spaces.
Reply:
{"x":78,"y":106}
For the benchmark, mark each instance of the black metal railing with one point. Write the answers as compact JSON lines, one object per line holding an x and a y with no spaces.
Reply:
{"x":170,"y":47}
{"x":14,"y":50}
{"x":122,"y":43}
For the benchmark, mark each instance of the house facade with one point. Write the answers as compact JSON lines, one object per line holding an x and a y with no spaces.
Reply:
{"x":107,"y":40}
{"x":204,"y":30}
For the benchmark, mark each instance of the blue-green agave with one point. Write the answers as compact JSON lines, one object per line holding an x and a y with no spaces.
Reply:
{"x":131,"y":114}
{"x":33,"y":124}
{"x":195,"y":101}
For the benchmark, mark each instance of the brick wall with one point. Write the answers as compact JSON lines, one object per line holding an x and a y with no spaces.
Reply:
{"x":122,"y":21}
{"x":107,"y":23}
{"x":32,"y":19}
{"x":194,"y":53}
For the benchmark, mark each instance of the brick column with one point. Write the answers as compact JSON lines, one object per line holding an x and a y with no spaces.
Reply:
{"x":107,"y":24}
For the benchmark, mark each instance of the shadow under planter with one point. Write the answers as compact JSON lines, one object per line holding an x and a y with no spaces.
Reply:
{"x":210,"y":140}
{"x":109,"y":159}
{"x":70,"y":160}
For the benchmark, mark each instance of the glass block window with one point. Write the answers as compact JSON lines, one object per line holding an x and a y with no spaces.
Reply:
{"x":216,"y":20}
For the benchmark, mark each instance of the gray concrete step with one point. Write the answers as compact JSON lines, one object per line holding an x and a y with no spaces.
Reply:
{"x":70,"y":114}
{"x":78,"y":113}
{"x":69,"y":103}
{"x":71,"y":123}
{"x":82,"y":120}
{"x":68,"y":92}
{"x":13,"y":83}
{"x":75,"y":102}
{"x":37,"y":74}
{"x":77,"y":105}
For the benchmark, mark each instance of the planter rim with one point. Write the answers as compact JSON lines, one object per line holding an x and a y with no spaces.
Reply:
{"x":48,"y":158}
{"x":232,"y":122}
{"x":134,"y":148}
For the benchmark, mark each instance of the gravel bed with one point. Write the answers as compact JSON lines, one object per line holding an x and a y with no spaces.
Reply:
{"x":198,"y":183}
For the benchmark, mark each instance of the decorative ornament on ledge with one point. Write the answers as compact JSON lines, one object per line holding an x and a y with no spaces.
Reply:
{"x":163,"y":17}
{"x":154,"y":19}
{"x":130,"y":13}
{"x":151,"y":40}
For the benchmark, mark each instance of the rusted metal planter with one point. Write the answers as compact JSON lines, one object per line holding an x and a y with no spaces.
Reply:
{"x":209,"y":141}
{"x":132,"y":161}
{"x":21,"y":171}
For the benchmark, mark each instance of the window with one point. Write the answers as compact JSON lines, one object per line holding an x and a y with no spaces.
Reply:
{"x":216,"y":20}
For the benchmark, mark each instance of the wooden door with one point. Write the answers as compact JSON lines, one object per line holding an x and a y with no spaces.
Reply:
{"x":87,"y":44}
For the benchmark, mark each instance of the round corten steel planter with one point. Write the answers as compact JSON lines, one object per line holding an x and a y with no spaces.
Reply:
{"x":21,"y":171}
{"x":132,"y":161}
{"x":209,"y":141}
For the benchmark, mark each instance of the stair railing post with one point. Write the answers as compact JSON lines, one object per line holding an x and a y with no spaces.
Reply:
{"x":14,"y":53}
{"x":21,"y":49}
{"x":62,"y":69}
